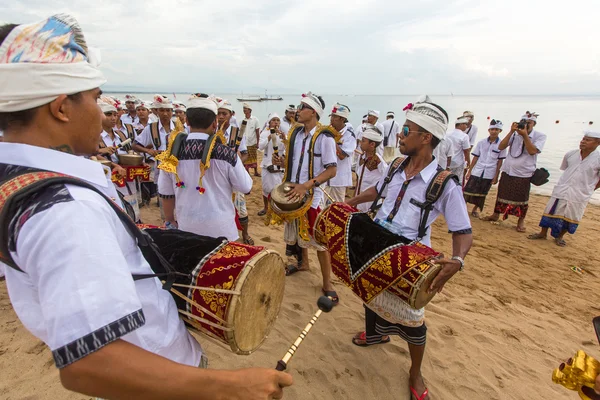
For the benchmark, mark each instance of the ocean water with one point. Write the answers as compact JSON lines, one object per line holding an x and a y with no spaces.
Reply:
{"x":573,"y":114}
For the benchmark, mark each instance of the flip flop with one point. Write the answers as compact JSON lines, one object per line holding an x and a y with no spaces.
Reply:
{"x":536,"y":236}
{"x":476,"y":214}
{"x":414,"y":394}
{"x":249,"y":241}
{"x":363,"y":336}
{"x":333,"y":295}
{"x":489,"y":218}
{"x":560,"y":242}
{"x":262,"y":212}
{"x":292,"y":269}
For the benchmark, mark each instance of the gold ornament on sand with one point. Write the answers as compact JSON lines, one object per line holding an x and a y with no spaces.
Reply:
{"x":579,"y":374}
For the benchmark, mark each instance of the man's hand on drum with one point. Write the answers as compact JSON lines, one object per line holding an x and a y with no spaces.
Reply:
{"x":259,"y":384}
{"x":119,"y":170}
{"x":297,"y":192}
{"x":449,"y":268}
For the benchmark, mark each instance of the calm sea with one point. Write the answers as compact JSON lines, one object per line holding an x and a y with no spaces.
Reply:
{"x":572,"y":113}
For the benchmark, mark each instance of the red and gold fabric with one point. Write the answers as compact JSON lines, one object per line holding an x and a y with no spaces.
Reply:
{"x":368,"y":258}
{"x":132,"y":172}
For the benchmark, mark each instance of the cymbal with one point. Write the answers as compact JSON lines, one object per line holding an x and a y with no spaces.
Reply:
{"x":279,"y":197}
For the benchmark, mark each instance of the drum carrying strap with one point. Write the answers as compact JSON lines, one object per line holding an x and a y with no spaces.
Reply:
{"x":18,"y":187}
{"x":398,"y":165}
{"x":155,"y":135}
{"x":130,"y":131}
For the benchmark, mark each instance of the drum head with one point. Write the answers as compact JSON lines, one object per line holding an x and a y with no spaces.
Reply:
{"x":253,"y":313}
{"x":422,"y":297}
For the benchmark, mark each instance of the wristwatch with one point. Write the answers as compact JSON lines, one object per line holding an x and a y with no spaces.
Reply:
{"x":461,"y":261}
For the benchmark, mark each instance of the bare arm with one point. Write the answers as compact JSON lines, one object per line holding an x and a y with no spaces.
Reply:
{"x":243,"y":156}
{"x":461,"y":243}
{"x":121,"y":370}
{"x":468,"y":155}
{"x":504,"y":142}
{"x":368,"y":195}
{"x":473,"y":163}
{"x":498,"y":168}
{"x":141,"y":149}
{"x":299,"y":189}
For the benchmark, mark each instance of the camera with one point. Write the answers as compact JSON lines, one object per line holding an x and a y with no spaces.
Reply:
{"x":522,"y":124}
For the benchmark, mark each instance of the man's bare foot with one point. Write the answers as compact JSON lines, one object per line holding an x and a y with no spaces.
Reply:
{"x":492,"y":218}
{"x":521,"y":229}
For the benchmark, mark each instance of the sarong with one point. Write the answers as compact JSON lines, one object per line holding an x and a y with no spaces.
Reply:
{"x":459,"y":172}
{"x":270,"y":180}
{"x":251,"y":161}
{"x":376,"y":327}
{"x":513,"y":196}
{"x":476,"y":190}
{"x":562,"y":215}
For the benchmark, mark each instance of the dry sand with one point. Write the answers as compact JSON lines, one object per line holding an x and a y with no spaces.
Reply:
{"x":496,"y":332}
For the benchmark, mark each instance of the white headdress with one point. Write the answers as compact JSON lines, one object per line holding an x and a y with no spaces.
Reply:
{"x":161,"y":101}
{"x":313,"y":102}
{"x":428,"y":116}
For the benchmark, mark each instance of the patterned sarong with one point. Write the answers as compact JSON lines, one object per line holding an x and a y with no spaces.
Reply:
{"x":476,"y":190}
{"x":252,"y":161}
{"x":513,"y":196}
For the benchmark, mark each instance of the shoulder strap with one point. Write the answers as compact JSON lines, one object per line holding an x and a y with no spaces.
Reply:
{"x":130,"y":131}
{"x":434,"y":192}
{"x":20,"y":186}
{"x":101,"y":143}
{"x":155,"y":135}
{"x":391,"y":128}
{"x":398,"y":165}
{"x":121,"y":135}
{"x":289,"y":153}
{"x":233,"y":134}
{"x":179,"y":143}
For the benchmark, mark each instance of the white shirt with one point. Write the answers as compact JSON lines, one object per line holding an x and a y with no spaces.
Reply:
{"x":459,"y":141}
{"x":379,"y":126}
{"x":77,"y":287}
{"x":233,"y":121}
{"x":487,"y":158}
{"x":519,"y":163}
{"x":324,"y":157}
{"x":145,"y":137}
{"x":442,"y":152}
{"x":266,"y":144}
{"x":359,"y":131}
{"x":126,"y":119}
{"x":285,"y":125}
{"x":367,"y":177}
{"x":242,"y":148}
{"x":451,"y":204}
{"x":391,"y":129}
{"x":472,"y":134}
{"x":579,"y":180}
{"x":211,"y":213}
{"x":343,"y":177}
{"x":152,"y":118}
{"x":250,"y":134}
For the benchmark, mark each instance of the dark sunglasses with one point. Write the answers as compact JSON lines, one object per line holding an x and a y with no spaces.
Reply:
{"x":406,"y":131}
{"x":304,"y":106}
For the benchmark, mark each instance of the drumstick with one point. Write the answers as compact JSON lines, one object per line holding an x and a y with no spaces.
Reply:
{"x":325,"y":304}
{"x":331,"y":199}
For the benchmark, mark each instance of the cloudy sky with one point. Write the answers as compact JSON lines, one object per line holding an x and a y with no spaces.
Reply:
{"x":339,"y":47}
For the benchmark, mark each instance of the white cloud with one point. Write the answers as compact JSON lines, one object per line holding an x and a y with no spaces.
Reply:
{"x":379,"y":47}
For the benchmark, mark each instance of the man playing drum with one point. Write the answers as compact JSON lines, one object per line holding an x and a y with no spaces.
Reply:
{"x":424,"y":128}
{"x":71,"y":282}
{"x":320,"y":153}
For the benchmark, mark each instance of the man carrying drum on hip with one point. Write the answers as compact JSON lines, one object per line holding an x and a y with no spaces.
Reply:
{"x":72,"y":262}
{"x":425,"y":127}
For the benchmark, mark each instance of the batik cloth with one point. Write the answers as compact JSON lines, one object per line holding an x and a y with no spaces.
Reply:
{"x":513,"y":196}
{"x":476,"y":190}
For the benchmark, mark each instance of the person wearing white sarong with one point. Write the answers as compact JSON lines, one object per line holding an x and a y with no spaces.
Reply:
{"x":271,"y":175}
{"x":570,"y":196}
{"x":336,"y":186}
{"x":391,"y":129}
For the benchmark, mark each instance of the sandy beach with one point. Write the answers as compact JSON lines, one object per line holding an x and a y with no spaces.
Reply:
{"x":496,"y":332}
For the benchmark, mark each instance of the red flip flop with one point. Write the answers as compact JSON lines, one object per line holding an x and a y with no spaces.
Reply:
{"x":363,"y":337}
{"x":416,"y":395}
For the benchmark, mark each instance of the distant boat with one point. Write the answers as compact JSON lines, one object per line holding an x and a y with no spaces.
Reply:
{"x":271,"y":98}
{"x":249,"y":98}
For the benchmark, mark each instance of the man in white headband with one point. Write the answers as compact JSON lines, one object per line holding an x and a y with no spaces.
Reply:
{"x":391,"y":137}
{"x":153,"y":138}
{"x":373,"y":118}
{"x":573,"y":191}
{"x":236,"y":140}
{"x":71,"y":257}
{"x":485,"y":168}
{"x":523,"y":143}
{"x":130,"y":117}
{"x":406,"y":213}
{"x":460,"y":153}
{"x":307,"y":140}
{"x":252,"y":134}
{"x":203,"y":204}
{"x":471,"y":130}
{"x":371,"y":165}
{"x":271,"y":138}
{"x":179,"y":110}
{"x":288,"y":119}
{"x":336,"y":186}
{"x":358,"y":132}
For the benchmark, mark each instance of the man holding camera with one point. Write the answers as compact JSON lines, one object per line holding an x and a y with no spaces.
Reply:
{"x":524,"y":144}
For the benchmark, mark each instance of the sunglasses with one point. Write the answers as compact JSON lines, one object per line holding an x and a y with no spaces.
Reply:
{"x":304,"y":106}
{"x":406,"y":131}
